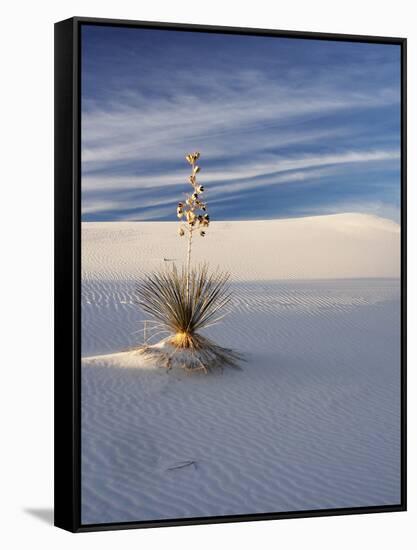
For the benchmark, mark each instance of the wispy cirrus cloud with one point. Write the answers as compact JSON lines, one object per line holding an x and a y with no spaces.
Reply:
{"x":257,"y":128}
{"x":148,"y":129}
{"x":246,"y":170}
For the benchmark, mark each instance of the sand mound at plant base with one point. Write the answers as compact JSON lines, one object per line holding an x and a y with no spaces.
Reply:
{"x":163,"y":355}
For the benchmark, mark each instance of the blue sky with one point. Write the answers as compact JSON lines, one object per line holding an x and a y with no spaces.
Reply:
{"x":285,"y":127}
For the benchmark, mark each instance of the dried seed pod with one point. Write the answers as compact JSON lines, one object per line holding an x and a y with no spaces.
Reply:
{"x":181,"y":232}
{"x":191,"y":217}
{"x":202,"y":233}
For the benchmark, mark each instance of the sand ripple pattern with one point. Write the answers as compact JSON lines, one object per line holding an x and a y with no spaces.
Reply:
{"x":312,"y":420}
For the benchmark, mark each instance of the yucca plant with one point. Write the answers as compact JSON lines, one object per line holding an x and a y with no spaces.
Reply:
{"x":184,"y":301}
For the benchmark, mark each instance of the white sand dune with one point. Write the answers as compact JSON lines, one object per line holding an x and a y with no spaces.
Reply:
{"x":312,"y":419}
{"x":321,"y":247}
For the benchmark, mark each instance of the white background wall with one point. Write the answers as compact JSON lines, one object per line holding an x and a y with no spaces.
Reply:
{"x":26,"y":218}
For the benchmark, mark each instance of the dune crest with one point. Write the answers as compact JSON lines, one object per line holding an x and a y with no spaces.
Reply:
{"x":320,"y":247}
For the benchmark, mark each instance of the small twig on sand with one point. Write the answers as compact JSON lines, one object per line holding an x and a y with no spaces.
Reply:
{"x":183,"y":465}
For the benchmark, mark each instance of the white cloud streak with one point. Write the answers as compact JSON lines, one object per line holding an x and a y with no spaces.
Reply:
{"x":234,"y":126}
{"x":268,"y":167}
{"x":223,"y":120}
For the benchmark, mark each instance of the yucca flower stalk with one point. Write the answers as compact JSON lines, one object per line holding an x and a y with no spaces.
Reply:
{"x":193,"y":211}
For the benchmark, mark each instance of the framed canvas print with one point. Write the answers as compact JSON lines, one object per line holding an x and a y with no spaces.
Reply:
{"x":230,"y":228}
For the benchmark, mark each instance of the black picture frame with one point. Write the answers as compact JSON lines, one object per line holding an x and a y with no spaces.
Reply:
{"x":68,"y":274}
